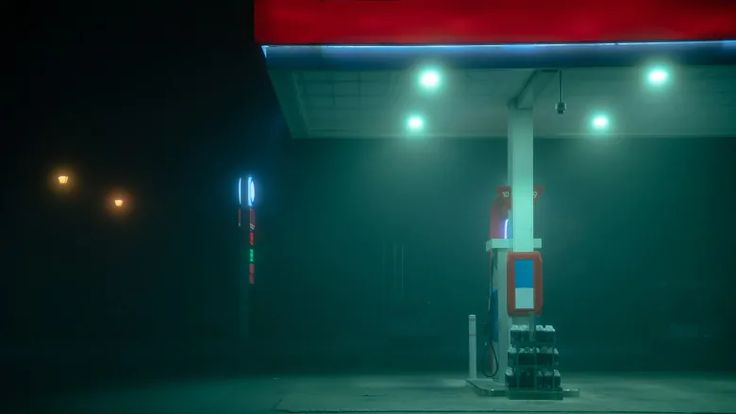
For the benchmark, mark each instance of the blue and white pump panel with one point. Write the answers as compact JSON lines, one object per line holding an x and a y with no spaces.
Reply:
{"x":524,"y":283}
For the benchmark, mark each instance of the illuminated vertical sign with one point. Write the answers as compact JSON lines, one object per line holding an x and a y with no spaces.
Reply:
{"x":250,"y":192}
{"x":240,"y":202}
{"x":251,"y":230}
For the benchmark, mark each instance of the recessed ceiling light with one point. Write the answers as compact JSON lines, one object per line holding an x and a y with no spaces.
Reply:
{"x":658,"y":75}
{"x":600,"y":122}
{"x":429,"y":79}
{"x":415,"y":123}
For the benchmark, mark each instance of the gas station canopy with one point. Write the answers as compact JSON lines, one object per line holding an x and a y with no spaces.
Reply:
{"x":499,"y":69}
{"x":349,"y":68}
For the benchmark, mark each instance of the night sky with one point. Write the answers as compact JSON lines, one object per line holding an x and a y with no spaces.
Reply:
{"x":167,"y":101}
{"x":172,"y":102}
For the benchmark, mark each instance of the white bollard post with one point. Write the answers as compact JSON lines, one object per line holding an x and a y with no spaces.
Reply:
{"x":472,"y":351}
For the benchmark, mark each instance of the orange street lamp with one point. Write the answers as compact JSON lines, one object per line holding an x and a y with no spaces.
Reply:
{"x":119,"y":202}
{"x":62,"y":180}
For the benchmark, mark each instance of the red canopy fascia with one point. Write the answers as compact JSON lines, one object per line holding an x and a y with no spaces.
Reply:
{"x":335,"y":22}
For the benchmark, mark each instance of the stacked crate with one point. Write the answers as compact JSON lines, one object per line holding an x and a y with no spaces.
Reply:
{"x":533,"y":363}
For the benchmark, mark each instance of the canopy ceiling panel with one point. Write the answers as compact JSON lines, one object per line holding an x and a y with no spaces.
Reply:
{"x":700,"y":102}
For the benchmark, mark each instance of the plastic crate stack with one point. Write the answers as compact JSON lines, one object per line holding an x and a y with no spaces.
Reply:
{"x":533,"y":360}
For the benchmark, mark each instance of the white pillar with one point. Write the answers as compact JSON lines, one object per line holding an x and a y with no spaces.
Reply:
{"x":472,"y":348}
{"x":521,"y":177}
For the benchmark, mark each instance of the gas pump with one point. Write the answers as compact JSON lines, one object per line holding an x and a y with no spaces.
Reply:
{"x":499,"y":230}
{"x":519,"y":352}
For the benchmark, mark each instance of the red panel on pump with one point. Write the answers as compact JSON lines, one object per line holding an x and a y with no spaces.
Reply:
{"x":500,"y":209}
{"x":524,"y":284}
{"x":490,"y":21}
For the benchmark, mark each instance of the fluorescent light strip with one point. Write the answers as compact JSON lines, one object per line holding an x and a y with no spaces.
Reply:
{"x":731,"y":43}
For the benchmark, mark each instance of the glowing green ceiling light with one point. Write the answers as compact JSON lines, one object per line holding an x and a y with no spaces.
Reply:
{"x":430,"y":79}
{"x":415,"y":123}
{"x":600,"y":122}
{"x":658,"y":76}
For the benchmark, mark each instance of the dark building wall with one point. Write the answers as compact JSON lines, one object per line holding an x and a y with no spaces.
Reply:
{"x":636,"y":247}
{"x":637,"y":253}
